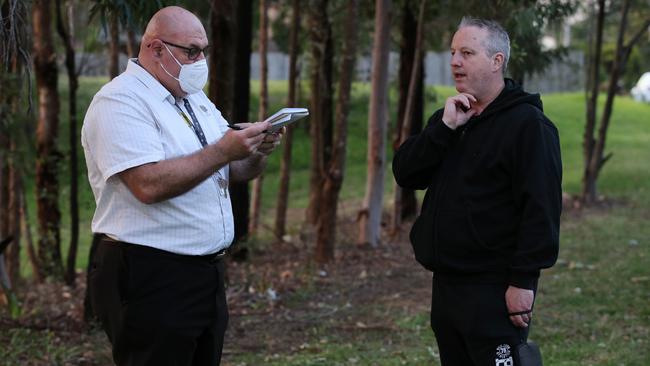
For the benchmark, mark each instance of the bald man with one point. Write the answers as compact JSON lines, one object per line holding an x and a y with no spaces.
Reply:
{"x":160,"y":157}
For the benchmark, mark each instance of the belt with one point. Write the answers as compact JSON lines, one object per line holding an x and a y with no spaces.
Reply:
{"x":215,"y":256}
{"x":212,"y":257}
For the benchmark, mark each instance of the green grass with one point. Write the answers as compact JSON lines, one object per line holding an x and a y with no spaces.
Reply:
{"x":594,"y":304}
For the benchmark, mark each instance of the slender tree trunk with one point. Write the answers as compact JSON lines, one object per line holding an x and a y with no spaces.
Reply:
{"x":222,"y":61}
{"x":588,"y":183}
{"x":370,"y":214}
{"x":47,"y":185}
{"x":321,"y":102}
{"x":132,"y":46}
{"x":285,"y":164}
{"x":67,"y":37}
{"x":5,"y":229}
{"x":26,"y":228}
{"x":114,"y":45}
{"x":598,"y":159}
{"x":13,"y":252}
{"x":15,"y":59}
{"x":326,"y":227}
{"x":410,"y":111}
{"x":264,"y":105}
{"x":239,"y":195}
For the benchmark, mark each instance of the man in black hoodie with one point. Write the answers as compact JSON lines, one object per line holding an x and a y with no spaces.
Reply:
{"x":490,"y":161}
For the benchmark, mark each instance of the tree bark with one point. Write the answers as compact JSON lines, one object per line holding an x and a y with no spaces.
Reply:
{"x":264,"y":105}
{"x":67,"y":36}
{"x":221,"y":56}
{"x":47,"y":185}
{"x":411,"y":102}
{"x":326,"y":226}
{"x":132,"y":46}
{"x":285,"y":164}
{"x":588,"y":143}
{"x":239,"y":195}
{"x":321,"y":102}
{"x":370,"y":214}
{"x":597,"y":158}
{"x":114,"y":45}
{"x":15,"y":185}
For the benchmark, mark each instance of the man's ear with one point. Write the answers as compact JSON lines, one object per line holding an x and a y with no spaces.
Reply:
{"x":497,"y":61}
{"x":156,"y":48}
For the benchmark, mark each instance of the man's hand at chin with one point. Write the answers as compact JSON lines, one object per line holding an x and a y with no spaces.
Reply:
{"x":458,"y":110}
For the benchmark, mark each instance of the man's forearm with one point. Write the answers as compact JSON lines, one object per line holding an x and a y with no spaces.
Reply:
{"x":248,"y":168}
{"x":156,"y":182}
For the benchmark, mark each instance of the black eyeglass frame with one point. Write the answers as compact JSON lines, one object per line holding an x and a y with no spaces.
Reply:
{"x":192,"y":52}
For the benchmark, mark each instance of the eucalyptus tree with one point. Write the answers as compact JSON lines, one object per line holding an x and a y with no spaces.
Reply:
{"x":371,"y":210}
{"x":15,"y":95}
{"x":131,"y":15}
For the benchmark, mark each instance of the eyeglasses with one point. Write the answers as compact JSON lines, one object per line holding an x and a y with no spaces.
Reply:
{"x":192,"y":52}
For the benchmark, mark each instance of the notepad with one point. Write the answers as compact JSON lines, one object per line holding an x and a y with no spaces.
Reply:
{"x":286,"y":116}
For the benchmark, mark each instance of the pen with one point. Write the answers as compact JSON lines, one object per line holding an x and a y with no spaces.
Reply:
{"x":238,"y":128}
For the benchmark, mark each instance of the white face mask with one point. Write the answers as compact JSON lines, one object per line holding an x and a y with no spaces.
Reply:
{"x":192,"y":77}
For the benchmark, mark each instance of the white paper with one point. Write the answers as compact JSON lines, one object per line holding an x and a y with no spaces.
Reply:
{"x":286,"y":116}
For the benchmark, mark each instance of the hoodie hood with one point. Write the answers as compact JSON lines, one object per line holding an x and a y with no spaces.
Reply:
{"x":511,"y":95}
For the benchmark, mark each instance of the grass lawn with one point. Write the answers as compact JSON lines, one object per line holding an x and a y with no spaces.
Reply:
{"x":594,"y":307}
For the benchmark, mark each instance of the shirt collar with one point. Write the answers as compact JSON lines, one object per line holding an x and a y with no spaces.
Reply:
{"x":148,"y":80}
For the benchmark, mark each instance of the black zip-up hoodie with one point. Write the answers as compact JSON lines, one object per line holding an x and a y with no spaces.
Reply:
{"x":494,"y":193}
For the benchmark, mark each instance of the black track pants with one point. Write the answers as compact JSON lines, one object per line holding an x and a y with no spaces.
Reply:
{"x":471,"y":323}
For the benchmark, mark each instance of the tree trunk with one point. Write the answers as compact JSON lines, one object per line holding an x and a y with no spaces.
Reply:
{"x":12,"y":253}
{"x":370,"y":214}
{"x":264,"y":105}
{"x":239,"y":195}
{"x":132,"y":46}
{"x":222,"y":61}
{"x":588,"y":142}
{"x":321,"y":102}
{"x":598,"y":160}
{"x":68,"y":42}
{"x":47,"y":185}
{"x":12,"y":73}
{"x":411,"y":102}
{"x":26,"y":228}
{"x":114,"y":45}
{"x":326,"y":227}
{"x":285,"y":164}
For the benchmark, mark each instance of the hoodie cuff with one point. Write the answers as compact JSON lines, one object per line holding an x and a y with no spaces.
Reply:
{"x":527,"y":280}
{"x":439,"y":132}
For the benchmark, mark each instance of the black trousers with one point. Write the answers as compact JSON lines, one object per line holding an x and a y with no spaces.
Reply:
{"x":159,"y":308}
{"x":470,"y":320}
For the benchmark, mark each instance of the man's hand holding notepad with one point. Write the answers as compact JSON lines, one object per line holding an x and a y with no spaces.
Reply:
{"x":281,"y":118}
{"x":286,"y":116}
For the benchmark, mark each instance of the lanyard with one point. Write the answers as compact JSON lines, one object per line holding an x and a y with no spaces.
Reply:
{"x":198,"y":131}
{"x":194,"y":123}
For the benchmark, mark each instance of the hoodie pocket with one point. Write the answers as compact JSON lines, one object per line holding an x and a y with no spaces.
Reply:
{"x":455,"y":236}
{"x":492,"y":231}
{"x":421,"y":237}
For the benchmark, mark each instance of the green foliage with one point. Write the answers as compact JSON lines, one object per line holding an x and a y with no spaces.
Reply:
{"x":131,"y":13}
{"x":639,"y":60}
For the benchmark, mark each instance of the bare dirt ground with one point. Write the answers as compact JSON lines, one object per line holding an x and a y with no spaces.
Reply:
{"x":276,"y":299}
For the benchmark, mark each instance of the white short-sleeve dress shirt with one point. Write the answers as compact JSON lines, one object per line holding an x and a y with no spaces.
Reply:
{"x":132,"y":121}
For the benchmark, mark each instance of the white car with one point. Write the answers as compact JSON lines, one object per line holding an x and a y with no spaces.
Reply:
{"x":641,"y":91}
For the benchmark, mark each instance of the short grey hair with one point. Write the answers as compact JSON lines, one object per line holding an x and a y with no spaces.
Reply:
{"x":497,"y":39}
